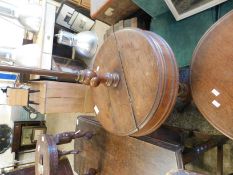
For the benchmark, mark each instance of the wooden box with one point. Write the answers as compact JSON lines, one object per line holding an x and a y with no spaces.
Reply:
{"x":58,"y":97}
{"x":17,"y":97}
{"x":141,"y":20}
{"x":112,"y":11}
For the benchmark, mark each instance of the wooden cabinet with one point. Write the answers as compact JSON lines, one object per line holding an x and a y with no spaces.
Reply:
{"x":111,"y":11}
{"x":58,"y":97}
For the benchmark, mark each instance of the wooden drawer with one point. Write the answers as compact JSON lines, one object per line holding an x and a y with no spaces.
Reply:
{"x":111,"y":11}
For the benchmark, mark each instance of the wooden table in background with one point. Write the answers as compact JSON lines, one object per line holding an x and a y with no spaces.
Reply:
{"x":166,"y":149}
{"x":115,"y":155}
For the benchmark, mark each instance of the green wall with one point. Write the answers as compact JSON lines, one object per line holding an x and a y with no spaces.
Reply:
{"x":183,"y":35}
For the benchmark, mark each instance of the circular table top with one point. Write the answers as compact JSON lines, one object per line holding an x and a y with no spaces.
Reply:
{"x":139,"y":60}
{"x":212,"y":75}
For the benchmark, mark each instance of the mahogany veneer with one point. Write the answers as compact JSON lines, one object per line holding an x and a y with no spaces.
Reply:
{"x":212,"y":75}
{"x":148,"y":83}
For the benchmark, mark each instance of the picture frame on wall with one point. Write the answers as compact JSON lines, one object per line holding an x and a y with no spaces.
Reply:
{"x":25,"y":134}
{"x":184,"y":8}
{"x":37,"y":132}
{"x":30,"y":134}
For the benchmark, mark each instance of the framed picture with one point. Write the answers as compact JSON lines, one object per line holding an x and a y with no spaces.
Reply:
{"x":30,"y":134}
{"x":37,"y":132}
{"x":26,"y":133}
{"x":73,"y":17}
{"x":184,"y":8}
{"x":26,"y":136}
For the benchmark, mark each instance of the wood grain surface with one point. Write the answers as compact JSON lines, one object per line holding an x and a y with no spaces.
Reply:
{"x":161,"y":111}
{"x":113,"y":103}
{"x":148,"y":82}
{"x":58,"y":97}
{"x":46,"y":156}
{"x":112,"y":11}
{"x":212,"y":75}
{"x":114,"y":155}
{"x":17,"y":97}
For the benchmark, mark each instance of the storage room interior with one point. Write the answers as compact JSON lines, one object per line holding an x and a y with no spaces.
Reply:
{"x":116,"y":87}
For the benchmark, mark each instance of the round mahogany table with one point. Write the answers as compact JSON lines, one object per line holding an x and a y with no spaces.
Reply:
{"x":148,"y":86}
{"x":212,"y":75}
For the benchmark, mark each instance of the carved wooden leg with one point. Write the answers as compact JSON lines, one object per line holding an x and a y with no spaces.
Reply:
{"x":92,"y":171}
{"x":67,"y":137}
{"x":64,"y":153}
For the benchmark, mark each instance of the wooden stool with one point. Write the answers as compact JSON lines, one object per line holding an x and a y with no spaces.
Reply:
{"x":47,"y":154}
